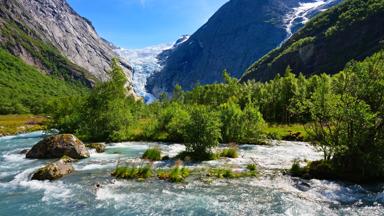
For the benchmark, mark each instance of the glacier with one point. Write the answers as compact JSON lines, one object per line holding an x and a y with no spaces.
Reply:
{"x":145,"y":62}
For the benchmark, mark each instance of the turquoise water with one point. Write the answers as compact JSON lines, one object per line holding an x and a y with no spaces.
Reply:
{"x":270,"y":194}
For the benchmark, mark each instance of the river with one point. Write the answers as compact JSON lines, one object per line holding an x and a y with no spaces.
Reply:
{"x":270,"y":194}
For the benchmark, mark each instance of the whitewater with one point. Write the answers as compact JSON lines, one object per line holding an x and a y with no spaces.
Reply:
{"x":270,"y":194}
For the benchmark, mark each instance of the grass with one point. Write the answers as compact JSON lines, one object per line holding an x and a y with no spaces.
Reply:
{"x":251,"y":167}
{"x":25,"y":89}
{"x":229,"y":173}
{"x":286,"y":132}
{"x":230,"y":152}
{"x":153,"y":154}
{"x":175,"y":174}
{"x":14,"y":124}
{"x":133,"y":172}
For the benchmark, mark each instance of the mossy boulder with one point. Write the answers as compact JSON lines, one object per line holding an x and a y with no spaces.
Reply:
{"x":54,"y":170}
{"x":57,"y":146}
{"x":100,"y":148}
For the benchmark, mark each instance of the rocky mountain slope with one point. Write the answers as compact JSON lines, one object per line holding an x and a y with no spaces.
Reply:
{"x":50,"y":35}
{"x":238,"y":34}
{"x":351,"y":30}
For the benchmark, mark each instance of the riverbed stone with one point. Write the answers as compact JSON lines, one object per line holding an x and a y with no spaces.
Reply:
{"x":55,"y":170}
{"x":100,"y":148}
{"x":57,"y":146}
{"x":24,"y":151}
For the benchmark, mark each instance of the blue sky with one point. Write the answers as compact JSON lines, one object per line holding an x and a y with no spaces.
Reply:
{"x":141,"y":23}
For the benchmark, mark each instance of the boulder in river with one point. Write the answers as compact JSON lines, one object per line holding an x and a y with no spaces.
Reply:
{"x":57,"y":146}
{"x":24,"y":151}
{"x":100,"y":148}
{"x":54,"y":170}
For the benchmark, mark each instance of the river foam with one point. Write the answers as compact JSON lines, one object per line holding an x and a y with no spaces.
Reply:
{"x":91,"y":190}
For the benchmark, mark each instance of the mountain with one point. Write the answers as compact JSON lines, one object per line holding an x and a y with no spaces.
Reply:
{"x":238,"y":34}
{"x":51,"y":36}
{"x":352,"y":30}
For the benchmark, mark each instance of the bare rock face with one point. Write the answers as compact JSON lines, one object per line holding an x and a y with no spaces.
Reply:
{"x":55,"y":23}
{"x":72,"y":34}
{"x":58,"y":146}
{"x":54,"y":170}
{"x":237,"y":35}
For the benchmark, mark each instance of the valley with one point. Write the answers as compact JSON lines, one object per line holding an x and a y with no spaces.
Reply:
{"x":269,"y":107}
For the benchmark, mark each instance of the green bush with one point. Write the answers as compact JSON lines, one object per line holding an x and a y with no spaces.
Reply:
{"x":230,"y":152}
{"x":153,"y":154}
{"x":202,"y":132}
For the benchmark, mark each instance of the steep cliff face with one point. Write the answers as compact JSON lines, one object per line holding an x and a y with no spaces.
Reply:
{"x":351,"y":30}
{"x":52,"y":36}
{"x":238,"y":34}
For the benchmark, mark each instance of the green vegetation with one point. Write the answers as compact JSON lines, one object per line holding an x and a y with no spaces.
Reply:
{"x":175,"y":174}
{"x":230,"y":152}
{"x":342,"y":115}
{"x":153,"y":154}
{"x":23,"y":89}
{"x":347,"y":123}
{"x":14,"y":124}
{"x":229,"y":173}
{"x":349,"y":30}
{"x":133,"y":172}
{"x":292,"y":132}
{"x":202,"y":132}
{"x":16,"y":35}
{"x":104,"y":115}
{"x":252,"y":167}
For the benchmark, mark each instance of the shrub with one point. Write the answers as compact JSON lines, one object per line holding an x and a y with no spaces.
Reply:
{"x":296,"y":169}
{"x":172,"y":120}
{"x":229,"y":152}
{"x":153,"y":154}
{"x":191,"y":156}
{"x":202,"y":132}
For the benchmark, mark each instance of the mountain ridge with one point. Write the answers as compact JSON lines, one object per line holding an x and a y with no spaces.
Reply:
{"x":36,"y":30}
{"x":350,"y":31}
{"x":239,"y":33}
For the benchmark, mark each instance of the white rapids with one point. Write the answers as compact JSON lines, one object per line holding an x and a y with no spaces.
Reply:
{"x":269,"y":194}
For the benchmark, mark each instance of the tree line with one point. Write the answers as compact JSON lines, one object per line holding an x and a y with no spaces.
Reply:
{"x":343,"y":114}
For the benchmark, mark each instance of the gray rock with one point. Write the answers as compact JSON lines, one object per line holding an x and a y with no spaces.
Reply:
{"x":238,"y":34}
{"x":54,"y":170}
{"x":58,"y":146}
{"x":56,"y":23}
{"x":100,"y":148}
{"x":24,"y":151}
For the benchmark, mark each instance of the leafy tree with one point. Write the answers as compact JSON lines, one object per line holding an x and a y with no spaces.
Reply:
{"x":172,"y":120}
{"x":107,"y":113}
{"x":253,"y":123}
{"x":232,"y":125}
{"x":202,"y":132}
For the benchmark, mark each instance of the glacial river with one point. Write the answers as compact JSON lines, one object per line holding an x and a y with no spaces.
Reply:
{"x":270,"y":194}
